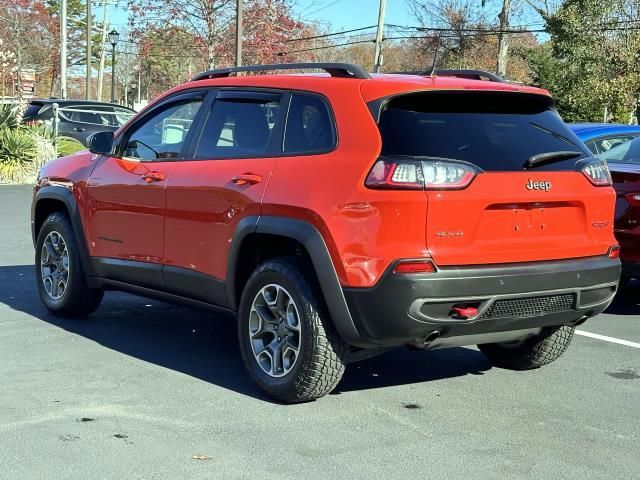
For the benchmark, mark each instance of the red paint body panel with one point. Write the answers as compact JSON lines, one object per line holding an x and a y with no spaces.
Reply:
{"x":626,"y":180}
{"x":497,"y":220}
{"x":204,"y":207}
{"x":125,"y":215}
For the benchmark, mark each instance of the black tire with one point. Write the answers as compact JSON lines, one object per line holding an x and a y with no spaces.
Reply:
{"x":534,"y":352}
{"x":77,"y":300}
{"x":319,"y":364}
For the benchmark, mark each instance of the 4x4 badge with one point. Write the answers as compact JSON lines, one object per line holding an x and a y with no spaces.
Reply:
{"x":543,"y":185}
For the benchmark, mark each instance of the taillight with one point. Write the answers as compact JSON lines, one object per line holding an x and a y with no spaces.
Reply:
{"x":614,"y":251}
{"x":399,"y":173}
{"x":633,"y":199}
{"x":415,"y":266}
{"x":598,"y":173}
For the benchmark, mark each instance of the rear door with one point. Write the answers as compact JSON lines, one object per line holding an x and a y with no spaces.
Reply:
{"x":233,"y":157}
{"x":511,"y":211}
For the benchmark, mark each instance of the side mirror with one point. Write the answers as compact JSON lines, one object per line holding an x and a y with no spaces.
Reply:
{"x":101,"y":143}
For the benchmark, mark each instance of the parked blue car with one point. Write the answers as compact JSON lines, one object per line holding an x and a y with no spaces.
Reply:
{"x":601,"y":137}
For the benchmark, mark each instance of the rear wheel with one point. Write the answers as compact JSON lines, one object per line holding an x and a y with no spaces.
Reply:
{"x":61,"y":281}
{"x":531,"y":353}
{"x":288,"y":343}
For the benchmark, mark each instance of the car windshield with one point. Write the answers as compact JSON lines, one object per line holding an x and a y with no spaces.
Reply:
{"x":628,"y":152}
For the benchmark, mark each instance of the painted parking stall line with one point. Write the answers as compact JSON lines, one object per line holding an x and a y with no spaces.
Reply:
{"x":608,"y":339}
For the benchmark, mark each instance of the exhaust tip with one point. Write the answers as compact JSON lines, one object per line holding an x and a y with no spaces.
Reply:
{"x":431,"y":337}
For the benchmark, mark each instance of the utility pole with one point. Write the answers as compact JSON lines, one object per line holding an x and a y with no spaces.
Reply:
{"x":503,"y":44}
{"x":103,"y":46}
{"x":63,"y":49}
{"x":238,"y":33}
{"x":88,"y":81}
{"x":378,"y":55}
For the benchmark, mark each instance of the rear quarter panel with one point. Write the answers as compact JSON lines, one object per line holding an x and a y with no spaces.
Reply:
{"x":365,"y":230}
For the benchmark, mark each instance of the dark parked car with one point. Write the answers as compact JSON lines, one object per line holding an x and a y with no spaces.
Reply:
{"x":78,"y":118}
{"x":624,"y":164}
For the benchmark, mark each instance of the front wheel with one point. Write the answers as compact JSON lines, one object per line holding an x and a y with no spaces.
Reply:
{"x":288,"y":343}
{"x":534,"y":352}
{"x":61,"y":281}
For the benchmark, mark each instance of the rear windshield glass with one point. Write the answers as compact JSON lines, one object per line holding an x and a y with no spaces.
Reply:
{"x":495,"y":131}
{"x":32,"y":110}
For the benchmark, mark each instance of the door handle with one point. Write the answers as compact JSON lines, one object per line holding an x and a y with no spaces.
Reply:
{"x":153,"y":177}
{"x":79,"y":129}
{"x":246,"y":179}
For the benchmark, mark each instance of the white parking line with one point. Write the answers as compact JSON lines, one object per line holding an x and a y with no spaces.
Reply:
{"x":608,"y":339}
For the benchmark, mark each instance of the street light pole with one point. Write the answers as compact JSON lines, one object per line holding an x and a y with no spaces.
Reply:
{"x":238,"y":33}
{"x":63,"y":49}
{"x":88,"y":80}
{"x":113,"y":39}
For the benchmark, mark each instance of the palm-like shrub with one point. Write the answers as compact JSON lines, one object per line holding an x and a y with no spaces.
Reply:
{"x":18,"y":150}
{"x":9,"y":116}
{"x":23,"y":149}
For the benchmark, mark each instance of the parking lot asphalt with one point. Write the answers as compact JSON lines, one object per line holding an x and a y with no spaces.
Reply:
{"x":141,"y":388}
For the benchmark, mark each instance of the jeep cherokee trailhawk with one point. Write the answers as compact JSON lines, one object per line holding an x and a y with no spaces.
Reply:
{"x":339,"y":215}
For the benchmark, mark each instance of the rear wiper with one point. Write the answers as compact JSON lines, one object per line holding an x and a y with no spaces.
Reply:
{"x":550,"y":157}
{"x":559,"y":136}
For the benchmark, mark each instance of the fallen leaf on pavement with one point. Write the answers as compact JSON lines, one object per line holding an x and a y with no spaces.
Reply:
{"x":202,"y":457}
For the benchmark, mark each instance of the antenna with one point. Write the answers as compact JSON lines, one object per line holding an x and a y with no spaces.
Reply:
{"x":435,"y":57}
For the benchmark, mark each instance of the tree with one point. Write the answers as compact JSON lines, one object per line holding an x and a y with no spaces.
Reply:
{"x":25,"y":30}
{"x":206,"y":20}
{"x":596,"y":64}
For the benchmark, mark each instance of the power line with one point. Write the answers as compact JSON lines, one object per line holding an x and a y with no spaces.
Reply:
{"x":329,"y":34}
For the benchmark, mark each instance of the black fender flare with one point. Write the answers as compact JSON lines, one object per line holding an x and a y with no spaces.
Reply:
{"x":64,"y":195}
{"x":314,"y":243}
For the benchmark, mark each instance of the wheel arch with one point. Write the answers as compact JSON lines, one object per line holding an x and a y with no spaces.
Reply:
{"x":54,"y":198}
{"x":296,"y":233}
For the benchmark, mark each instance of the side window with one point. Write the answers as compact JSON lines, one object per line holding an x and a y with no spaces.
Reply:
{"x":239,"y":127}
{"x":162,"y":135}
{"x":122,"y":116}
{"x":310,"y":127}
{"x":591,"y":145}
{"x":607,"y":143}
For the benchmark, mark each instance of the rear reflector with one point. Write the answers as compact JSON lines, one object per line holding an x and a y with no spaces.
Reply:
{"x":614,"y":251}
{"x":415,"y":266}
{"x":425,"y":174}
{"x":464,"y":312}
{"x":633,"y":199}
{"x":598,"y":173}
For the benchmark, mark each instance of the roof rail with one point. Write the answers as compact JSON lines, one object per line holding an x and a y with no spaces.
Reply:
{"x":469,"y":74}
{"x":343,"y":70}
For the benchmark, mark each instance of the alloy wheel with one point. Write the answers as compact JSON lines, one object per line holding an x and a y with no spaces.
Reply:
{"x":274,"y":330}
{"x":54,"y":265}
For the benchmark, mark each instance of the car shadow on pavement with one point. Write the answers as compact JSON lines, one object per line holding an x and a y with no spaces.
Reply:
{"x":627,"y":300}
{"x":192,"y":342}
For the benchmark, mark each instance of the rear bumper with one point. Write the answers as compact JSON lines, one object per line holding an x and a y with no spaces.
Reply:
{"x":402,"y":309}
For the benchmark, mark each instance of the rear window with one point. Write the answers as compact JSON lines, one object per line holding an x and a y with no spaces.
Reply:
{"x":32,"y":111}
{"x":495,"y":131}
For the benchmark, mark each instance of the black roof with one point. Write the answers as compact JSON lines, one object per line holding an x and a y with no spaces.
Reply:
{"x":62,"y":102}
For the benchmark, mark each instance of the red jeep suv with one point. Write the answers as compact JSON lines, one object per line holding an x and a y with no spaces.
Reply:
{"x":339,"y":215}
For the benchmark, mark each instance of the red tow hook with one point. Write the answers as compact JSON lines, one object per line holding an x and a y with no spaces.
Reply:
{"x":464,"y":312}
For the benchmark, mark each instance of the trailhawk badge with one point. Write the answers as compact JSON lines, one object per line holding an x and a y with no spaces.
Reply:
{"x":543,"y":185}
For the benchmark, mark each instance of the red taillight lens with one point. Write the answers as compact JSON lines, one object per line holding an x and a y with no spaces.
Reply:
{"x":415,"y":266}
{"x":399,"y":173}
{"x":598,"y":173}
{"x":614,"y":251}
{"x":633,"y":199}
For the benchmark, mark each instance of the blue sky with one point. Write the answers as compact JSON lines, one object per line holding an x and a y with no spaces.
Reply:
{"x":347,"y":14}
{"x":338,"y":14}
